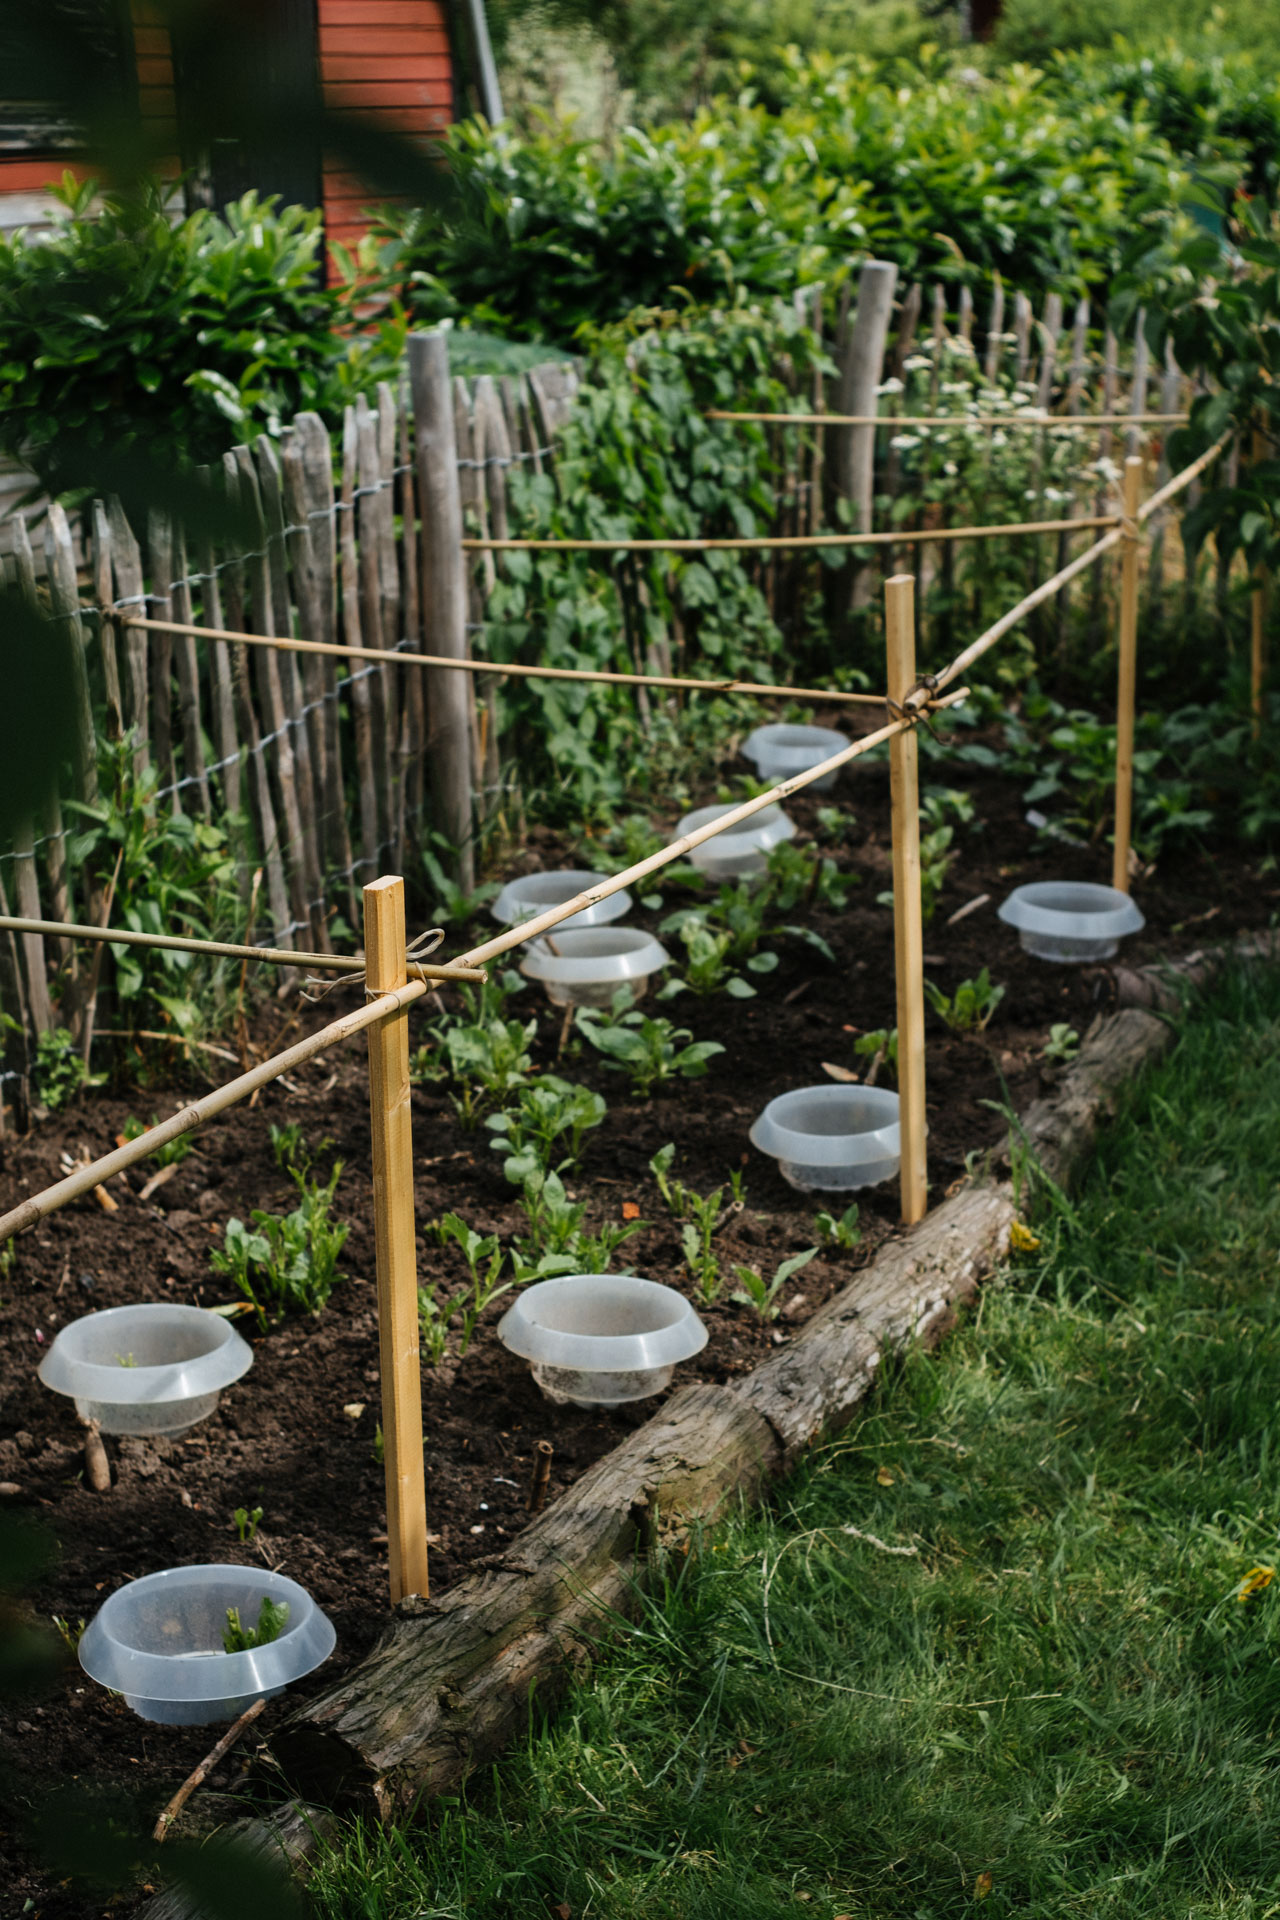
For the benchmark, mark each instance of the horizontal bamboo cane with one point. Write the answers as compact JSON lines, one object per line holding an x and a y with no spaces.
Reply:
{"x":84,"y":1179}
{"x":765,"y":542}
{"x":271,"y":956}
{"x":757,"y":689}
{"x":1077,"y":422}
{"x":528,"y":929}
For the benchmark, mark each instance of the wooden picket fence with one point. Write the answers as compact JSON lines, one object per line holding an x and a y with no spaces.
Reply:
{"x":329,"y":771}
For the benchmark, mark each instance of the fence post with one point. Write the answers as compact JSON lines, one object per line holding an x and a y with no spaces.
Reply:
{"x":1130,"y":551}
{"x":384,"y":946}
{"x":444,"y":592}
{"x":908,"y":925}
{"x":862,"y":366}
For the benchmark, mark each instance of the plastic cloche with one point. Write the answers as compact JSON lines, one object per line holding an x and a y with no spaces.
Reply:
{"x":831,"y":1139}
{"x":742,"y":849}
{"x":151,"y":1369}
{"x":158,"y":1641}
{"x":601,"y":1339}
{"x":1071,"y":920}
{"x":780,"y":750}
{"x":586,"y":966}
{"x":533,"y":893}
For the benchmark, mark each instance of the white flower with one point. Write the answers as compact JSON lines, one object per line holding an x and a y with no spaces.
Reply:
{"x":903,"y":442}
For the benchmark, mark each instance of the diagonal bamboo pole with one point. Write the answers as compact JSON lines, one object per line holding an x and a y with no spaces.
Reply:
{"x":1078,"y":422}
{"x":84,"y":1179}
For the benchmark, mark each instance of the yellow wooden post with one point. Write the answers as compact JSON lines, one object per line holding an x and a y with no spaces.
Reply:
{"x":908,"y":923}
{"x":384,"y":945}
{"x":1126,"y":683}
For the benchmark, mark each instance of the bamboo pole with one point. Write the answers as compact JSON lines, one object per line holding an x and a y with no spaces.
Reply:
{"x":819,"y":695}
{"x":908,"y":924}
{"x":40,"y":1205}
{"x":269,"y":956}
{"x":767,"y":542}
{"x":1130,"y":548}
{"x":1077,"y":423}
{"x":397,"y":1268}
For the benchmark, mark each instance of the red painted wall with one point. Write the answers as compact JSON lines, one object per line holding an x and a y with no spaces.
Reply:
{"x":386,"y":58}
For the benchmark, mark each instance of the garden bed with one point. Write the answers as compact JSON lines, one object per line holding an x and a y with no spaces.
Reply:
{"x":283,"y":1439}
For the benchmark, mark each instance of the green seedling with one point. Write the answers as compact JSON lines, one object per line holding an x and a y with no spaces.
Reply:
{"x":1062,"y":1045}
{"x":289,"y":1263}
{"x":167,"y":1155}
{"x":433,"y":1331}
{"x":490,"y":1060}
{"x":754,"y":1291}
{"x":707,"y":967}
{"x":485,"y":1260}
{"x":247,"y":1524}
{"x":125,"y":1360}
{"x":844,"y":1232}
{"x":379,"y":1445}
{"x":58,"y":1073}
{"x":970,"y":1007}
{"x":273,"y":1618}
{"x":547,"y":1112}
{"x":702,"y":1217}
{"x":71,"y":1633}
{"x":880,"y":1047}
{"x":453,"y":906}
{"x":646,"y":1047}
{"x":935,"y":863}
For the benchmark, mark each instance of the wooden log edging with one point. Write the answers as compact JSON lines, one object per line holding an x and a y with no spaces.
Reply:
{"x":450,"y":1681}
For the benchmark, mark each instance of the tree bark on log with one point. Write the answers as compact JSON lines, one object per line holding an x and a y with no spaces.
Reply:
{"x":448,"y":1685}
{"x":450,"y":1681}
{"x":1165,"y":984}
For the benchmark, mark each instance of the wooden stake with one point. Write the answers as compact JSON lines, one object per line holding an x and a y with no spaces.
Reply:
{"x":908,"y":924}
{"x":1128,"y":666}
{"x":397,"y":1258}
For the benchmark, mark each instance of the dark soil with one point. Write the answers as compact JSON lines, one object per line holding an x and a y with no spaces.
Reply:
{"x":289,"y":1439}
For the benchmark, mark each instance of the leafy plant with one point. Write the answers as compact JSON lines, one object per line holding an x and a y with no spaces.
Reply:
{"x":936,"y":857}
{"x":547,"y":1111}
{"x":702,"y":1217}
{"x":273,"y":1618}
{"x":452,"y":907}
{"x":58,"y":1072}
{"x":970,"y":1008}
{"x":753,"y":1290}
{"x":485,"y":1260}
{"x":247,"y":1524}
{"x":844,"y":1232}
{"x":880,"y":1047}
{"x":171,"y":1153}
{"x":1062,"y":1045}
{"x":433,"y":1327}
{"x":647,"y":1048}
{"x":489,"y":1060}
{"x":288,"y":1263}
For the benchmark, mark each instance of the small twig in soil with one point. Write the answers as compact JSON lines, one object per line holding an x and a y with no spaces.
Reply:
{"x":789,"y":999}
{"x":970,"y":906}
{"x":565,"y":1024}
{"x":97,"y":1468}
{"x":158,"y":1180}
{"x":205,"y":1768}
{"x":541,"y":1476}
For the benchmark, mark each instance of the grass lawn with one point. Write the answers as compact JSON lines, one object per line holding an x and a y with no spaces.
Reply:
{"x":993,"y":1644}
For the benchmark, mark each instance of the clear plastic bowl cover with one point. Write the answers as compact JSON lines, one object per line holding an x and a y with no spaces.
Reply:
{"x":602,"y":1323}
{"x":743,"y":848}
{"x":533,"y":893}
{"x":1071,"y":918}
{"x":781,"y":750}
{"x":591,"y":956}
{"x":153,"y":1368}
{"x":835,"y":1126}
{"x":158,"y":1641}
{"x":591,"y":963}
